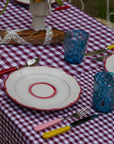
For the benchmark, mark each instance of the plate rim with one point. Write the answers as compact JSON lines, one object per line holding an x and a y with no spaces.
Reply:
{"x":105,"y":61}
{"x":27,"y":3}
{"x":30,"y":107}
{"x":22,"y":2}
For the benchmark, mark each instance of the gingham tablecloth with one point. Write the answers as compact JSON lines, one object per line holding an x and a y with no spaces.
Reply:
{"x":17,"y":122}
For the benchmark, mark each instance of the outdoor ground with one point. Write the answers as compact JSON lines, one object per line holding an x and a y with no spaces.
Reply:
{"x":96,"y":8}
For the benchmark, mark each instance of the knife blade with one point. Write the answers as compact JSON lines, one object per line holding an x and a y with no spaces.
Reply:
{"x":79,"y":114}
{"x":100,"y":51}
{"x":55,"y":132}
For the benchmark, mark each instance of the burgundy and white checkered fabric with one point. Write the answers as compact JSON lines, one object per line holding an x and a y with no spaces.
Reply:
{"x":17,"y":122}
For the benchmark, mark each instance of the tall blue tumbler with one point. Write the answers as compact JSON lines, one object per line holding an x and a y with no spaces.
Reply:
{"x":75,"y":45}
{"x":103,"y":93}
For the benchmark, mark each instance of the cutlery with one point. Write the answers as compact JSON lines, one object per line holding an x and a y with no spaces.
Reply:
{"x":31,"y":62}
{"x":100,"y":51}
{"x":61,"y":8}
{"x":101,"y":58}
{"x":55,"y":132}
{"x":81,"y":113}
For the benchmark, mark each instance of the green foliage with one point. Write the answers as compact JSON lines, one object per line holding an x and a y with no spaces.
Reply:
{"x":4,"y":7}
{"x":96,"y":8}
{"x":59,"y":2}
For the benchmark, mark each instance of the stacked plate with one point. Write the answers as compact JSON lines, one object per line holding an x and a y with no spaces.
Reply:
{"x":109,"y":63}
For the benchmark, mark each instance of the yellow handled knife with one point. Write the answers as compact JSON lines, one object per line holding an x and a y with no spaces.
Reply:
{"x":100,"y":51}
{"x":67,"y":128}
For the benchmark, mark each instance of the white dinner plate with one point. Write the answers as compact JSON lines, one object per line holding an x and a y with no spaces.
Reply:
{"x":27,"y":1}
{"x":42,"y":88}
{"x":109,"y":63}
{"x":23,"y":1}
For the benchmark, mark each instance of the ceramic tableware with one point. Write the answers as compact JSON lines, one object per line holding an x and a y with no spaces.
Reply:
{"x":42,"y":88}
{"x":109,"y":63}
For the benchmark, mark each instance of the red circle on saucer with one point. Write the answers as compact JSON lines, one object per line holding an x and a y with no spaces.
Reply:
{"x":42,"y":90}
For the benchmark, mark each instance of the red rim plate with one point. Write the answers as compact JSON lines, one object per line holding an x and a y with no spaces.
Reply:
{"x":105,"y":62}
{"x":27,"y":2}
{"x":54,"y":93}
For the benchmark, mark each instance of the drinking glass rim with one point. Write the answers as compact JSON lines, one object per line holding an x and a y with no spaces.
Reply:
{"x":102,"y":83}
{"x":71,"y":30}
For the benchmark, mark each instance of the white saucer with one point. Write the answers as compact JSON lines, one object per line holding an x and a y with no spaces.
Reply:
{"x":109,"y":63}
{"x":42,"y":88}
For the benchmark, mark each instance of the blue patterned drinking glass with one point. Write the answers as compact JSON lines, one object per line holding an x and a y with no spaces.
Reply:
{"x":75,"y":45}
{"x":103,"y":93}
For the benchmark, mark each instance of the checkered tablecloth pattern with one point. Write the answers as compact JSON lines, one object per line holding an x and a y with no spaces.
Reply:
{"x":17,"y":122}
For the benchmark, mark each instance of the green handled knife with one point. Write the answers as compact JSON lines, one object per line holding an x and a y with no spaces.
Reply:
{"x":67,"y":128}
{"x":100,"y":51}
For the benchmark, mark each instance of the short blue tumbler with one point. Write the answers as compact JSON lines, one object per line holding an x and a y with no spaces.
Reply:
{"x":75,"y":45}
